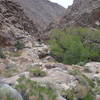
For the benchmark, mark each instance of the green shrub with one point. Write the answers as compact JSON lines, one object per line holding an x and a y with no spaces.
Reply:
{"x":19,"y":45}
{"x":75,"y":45}
{"x":37,"y":90}
{"x":2,"y":55}
{"x":81,"y":63}
{"x":38,"y":72}
{"x":89,"y":97}
{"x":90,"y":38}
{"x":68,"y":48}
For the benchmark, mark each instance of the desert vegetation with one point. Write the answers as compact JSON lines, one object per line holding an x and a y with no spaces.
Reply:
{"x":75,"y":45}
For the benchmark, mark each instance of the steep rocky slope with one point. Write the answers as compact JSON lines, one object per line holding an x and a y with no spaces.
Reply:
{"x":41,"y":12}
{"x":13,"y":16}
{"x":14,"y":24}
{"x":82,"y":13}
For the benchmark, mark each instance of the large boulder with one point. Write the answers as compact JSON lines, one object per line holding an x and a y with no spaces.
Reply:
{"x":8,"y":93}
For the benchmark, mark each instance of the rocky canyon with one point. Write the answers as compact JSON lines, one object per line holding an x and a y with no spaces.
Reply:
{"x":30,"y":69}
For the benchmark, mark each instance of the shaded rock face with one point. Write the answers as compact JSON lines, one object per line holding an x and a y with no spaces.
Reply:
{"x":82,"y":13}
{"x":42,"y":12}
{"x":13,"y":21}
{"x":8,"y":93}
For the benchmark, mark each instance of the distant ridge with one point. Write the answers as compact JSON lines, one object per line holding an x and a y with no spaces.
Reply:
{"x":42,"y":12}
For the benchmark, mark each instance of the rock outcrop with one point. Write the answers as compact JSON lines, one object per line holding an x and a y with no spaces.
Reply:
{"x":14,"y":24}
{"x":82,"y":13}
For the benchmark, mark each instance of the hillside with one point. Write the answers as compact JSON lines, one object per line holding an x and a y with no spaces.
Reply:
{"x":14,"y":24}
{"x":42,"y":12}
{"x":82,"y":13}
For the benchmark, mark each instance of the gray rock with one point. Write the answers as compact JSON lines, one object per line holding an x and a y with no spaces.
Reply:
{"x":97,"y":97}
{"x":8,"y":93}
{"x":93,"y":67}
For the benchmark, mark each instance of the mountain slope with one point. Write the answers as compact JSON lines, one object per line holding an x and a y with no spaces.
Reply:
{"x":82,"y":13}
{"x":14,"y":24}
{"x":42,"y":12}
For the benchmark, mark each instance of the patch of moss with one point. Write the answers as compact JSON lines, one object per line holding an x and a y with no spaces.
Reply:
{"x":74,"y":45}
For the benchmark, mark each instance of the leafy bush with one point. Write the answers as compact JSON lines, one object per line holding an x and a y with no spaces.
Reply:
{"x":2,"y":55}
{"x":38,"y":72}
{"x":19,"y":45}
{"x":89,"y":97}
{"x":75,"y":45}
{"x":81,"y":63}
{"x":37,"y":91}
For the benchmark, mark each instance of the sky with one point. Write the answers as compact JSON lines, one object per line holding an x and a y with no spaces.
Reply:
{"x":64,"y":3}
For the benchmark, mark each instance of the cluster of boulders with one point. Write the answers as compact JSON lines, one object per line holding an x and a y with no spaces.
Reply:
{"x":36,"y":55}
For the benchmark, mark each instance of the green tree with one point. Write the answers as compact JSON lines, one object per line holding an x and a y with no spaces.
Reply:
{"x":75,"y":45}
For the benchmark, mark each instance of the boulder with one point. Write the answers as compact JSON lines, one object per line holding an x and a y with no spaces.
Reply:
{"x":93,"y":67}
{"x":8,"y":93}
{"x":97,"y":97}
